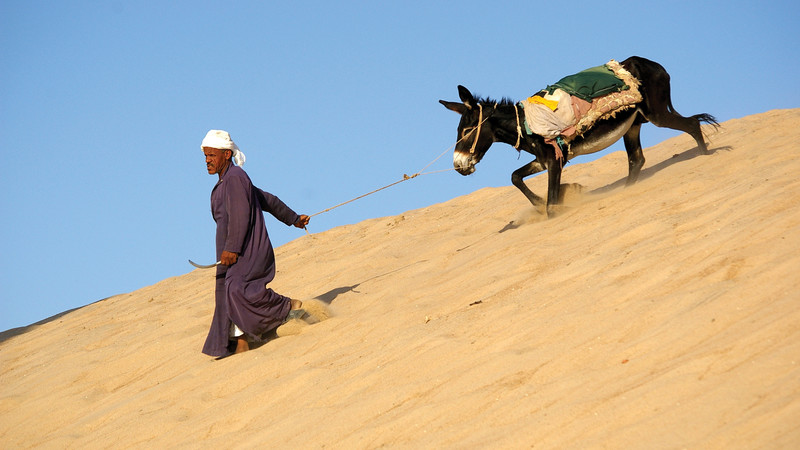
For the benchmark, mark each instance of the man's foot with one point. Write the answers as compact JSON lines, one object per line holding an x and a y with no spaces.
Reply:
{"x":296,"y":310}
{"x":241,"y":345}
{"x":296,"y":304}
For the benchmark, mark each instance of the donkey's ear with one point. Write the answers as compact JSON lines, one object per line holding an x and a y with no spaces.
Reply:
{"x":466,"y":96}
{"x":453,"y":106}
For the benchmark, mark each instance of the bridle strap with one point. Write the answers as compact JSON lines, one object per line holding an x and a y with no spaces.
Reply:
{"x":480,"y":123}
{"x":519,"y":128}
{"x":478,"y":133}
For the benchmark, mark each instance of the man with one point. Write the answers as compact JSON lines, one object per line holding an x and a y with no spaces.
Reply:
{"x":244,"y":305}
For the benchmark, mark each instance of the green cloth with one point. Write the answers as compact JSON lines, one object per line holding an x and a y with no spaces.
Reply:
{"x":590,"y":83}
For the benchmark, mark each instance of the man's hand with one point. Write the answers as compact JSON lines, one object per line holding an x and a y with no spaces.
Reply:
{"x":302,"y":221}
{"x":228,"y":258}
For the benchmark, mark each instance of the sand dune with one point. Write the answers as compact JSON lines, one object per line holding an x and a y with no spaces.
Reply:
{"x":663,"y":315}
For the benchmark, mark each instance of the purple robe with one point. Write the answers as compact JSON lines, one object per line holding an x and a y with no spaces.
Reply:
{"x":241,"y":293}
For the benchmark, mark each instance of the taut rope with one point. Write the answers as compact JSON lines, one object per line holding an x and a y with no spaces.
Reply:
{"x":421,"y":171}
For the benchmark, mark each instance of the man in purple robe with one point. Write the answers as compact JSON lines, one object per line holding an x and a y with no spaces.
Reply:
{"x":245,"y":306}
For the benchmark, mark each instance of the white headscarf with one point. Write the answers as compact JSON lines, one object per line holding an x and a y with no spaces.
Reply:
{"x":222,"y":140}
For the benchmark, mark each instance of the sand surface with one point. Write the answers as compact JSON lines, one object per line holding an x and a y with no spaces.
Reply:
{"x":663,"y":315}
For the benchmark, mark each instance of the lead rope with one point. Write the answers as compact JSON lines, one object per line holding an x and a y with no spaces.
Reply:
{"x":421,"y":171}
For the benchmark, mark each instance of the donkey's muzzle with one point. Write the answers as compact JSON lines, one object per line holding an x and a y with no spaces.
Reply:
{"x":464,"y":163}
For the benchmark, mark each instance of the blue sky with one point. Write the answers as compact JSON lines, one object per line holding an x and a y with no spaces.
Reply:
{"x":103,"y":106}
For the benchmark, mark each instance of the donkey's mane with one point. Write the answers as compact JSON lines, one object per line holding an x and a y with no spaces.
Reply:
{"x":505,"y":101}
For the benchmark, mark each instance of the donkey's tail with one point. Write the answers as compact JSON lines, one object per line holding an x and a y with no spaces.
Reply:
{"x":704,"y":118}
{"x":707,"y":118}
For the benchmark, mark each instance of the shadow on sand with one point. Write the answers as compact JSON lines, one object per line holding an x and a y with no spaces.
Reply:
{"x":648,"y":172}
{"x":326,"y":298}
{"x":331,"y":295}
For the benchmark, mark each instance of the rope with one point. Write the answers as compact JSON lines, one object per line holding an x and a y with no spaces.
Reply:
{"x":480,"y":122}
{"x":519,"y":129}
{"x":406,"y":177}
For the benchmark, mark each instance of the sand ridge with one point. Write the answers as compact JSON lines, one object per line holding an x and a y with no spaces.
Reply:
{"x":662,"y":315}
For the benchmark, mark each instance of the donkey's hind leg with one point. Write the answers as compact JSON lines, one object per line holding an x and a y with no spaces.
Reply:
{"x":633,"y":146}
{"x":660,"y":112}
{"x":689,"y":125}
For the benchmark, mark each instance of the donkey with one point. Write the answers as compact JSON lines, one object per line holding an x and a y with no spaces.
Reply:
{"x":484,"y":122}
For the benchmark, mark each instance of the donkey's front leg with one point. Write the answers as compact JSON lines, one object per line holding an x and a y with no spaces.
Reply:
{"x":553,"y":186}
{"x":518,"y":180}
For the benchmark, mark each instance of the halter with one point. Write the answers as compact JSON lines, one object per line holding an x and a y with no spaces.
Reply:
{"x":477,"y":135}
{"x":519,"y":128}
{"x":480,"y":123}
{"x":478,"y":128}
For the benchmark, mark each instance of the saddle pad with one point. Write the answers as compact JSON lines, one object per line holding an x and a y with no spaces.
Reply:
{"x":590,"y":83}
{"x":609,"y":105}
{"x":574,"y":115}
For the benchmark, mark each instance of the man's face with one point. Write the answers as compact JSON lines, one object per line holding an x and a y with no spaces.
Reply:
{"x":217,"y":160}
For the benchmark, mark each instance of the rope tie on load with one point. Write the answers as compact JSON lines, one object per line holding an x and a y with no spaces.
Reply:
{"x":519,"y":128}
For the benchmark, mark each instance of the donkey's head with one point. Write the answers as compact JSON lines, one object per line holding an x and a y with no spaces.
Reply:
{"x":475,"y":134}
